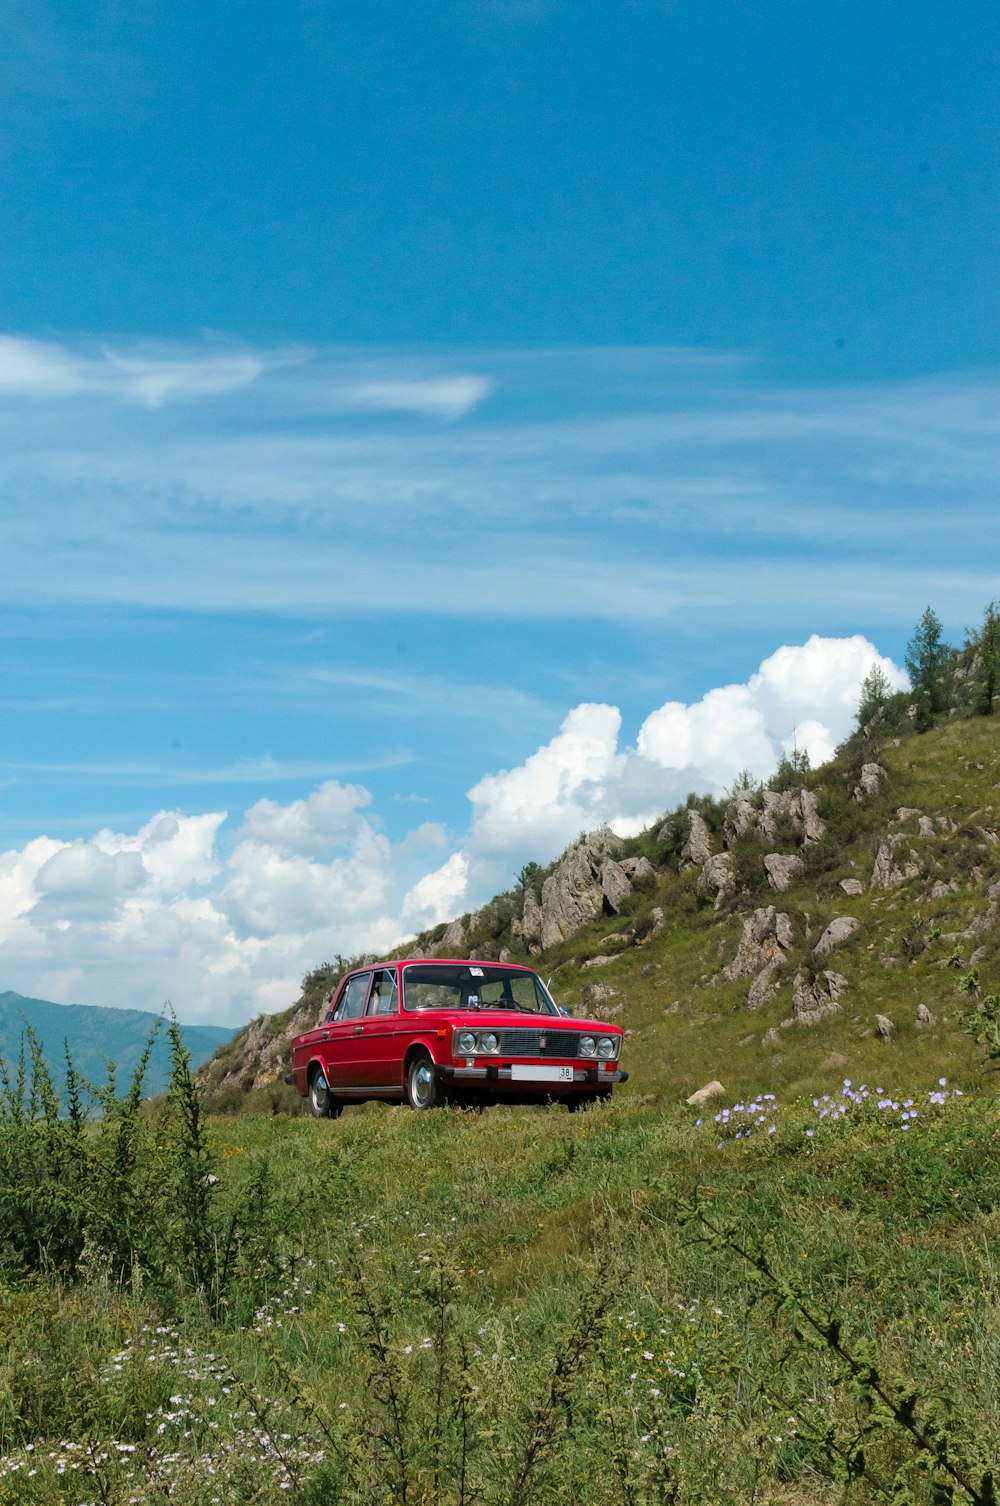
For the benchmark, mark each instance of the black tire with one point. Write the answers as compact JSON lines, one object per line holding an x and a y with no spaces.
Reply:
{"x":321,"y":1101}
{"x":423,"y":1090}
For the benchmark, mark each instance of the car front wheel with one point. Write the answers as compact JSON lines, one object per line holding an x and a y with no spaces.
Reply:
{"x":422,"y":1089}
{"x":321,"y":1100}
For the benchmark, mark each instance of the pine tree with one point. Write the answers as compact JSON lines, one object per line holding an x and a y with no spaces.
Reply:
{"x":985,"y":646}
{"x":927,"y":658}
{"x":875,"y":692}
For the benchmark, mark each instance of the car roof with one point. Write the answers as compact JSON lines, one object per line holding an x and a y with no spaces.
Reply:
{"x":367,"y":967}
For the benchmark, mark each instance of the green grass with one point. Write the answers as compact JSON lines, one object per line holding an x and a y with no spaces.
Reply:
{"x":524,"y":1306}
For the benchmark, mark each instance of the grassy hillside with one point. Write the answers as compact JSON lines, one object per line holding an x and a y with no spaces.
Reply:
{"x":687,"y":1019}
{"x":623,"y":1308}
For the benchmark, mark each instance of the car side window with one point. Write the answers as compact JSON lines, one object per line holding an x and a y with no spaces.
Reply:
{"x":383,"y":998}
{"x":352,"y":1004}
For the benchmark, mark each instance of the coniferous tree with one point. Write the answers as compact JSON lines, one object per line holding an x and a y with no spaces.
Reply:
{"x":927,"y":658}
{"x":875,"y":692}
{"x":985,"y":646}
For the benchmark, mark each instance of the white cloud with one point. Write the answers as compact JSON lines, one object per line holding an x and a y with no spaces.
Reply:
{"x":46,"y":369}
{"x":37,"y":368}
{"x":308,"y":827}
{"x":442,"y":397}
{"x":226,"y":926}
{"x":438,"y":895}
{"x":155,"y":382}
{"x":556,"y":791}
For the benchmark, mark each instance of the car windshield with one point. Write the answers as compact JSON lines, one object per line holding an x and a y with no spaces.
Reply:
{"x":455,"y":985}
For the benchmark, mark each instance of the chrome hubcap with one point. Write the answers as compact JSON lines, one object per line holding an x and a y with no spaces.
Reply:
{"x":423,"y":1082}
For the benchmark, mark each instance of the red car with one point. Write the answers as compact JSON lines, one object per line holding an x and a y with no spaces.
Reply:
{"x":433,"y":1032}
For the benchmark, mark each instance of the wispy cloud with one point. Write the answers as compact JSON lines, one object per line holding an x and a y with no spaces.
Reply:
{"x":444,"y":397}
{"x":250,"y":771}
{"x":45,"y":369}
{"x":626,"y":485}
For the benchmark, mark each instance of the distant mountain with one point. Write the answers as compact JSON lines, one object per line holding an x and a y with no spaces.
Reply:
{"x":97,"y":1035}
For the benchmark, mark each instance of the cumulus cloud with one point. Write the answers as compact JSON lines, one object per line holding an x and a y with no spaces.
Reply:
{"x":224,"y":917}
{"x":326,"y":818}
{"x":435,"y":897}
{"x":802,"y":697}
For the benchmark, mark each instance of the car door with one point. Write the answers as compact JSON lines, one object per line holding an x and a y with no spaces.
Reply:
{"x":379,"y":1060}
{"x":342,"y":1048}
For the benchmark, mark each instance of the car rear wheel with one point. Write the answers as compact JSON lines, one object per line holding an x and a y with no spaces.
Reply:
{"x":422,"y":1089}
{"x":321,"y":1100}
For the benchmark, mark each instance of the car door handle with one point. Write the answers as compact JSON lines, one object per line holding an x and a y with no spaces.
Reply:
{"x":358,"y":1029}
{"x":325,"y":1036}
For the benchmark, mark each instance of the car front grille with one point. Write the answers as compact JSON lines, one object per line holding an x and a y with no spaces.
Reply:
{"x":529,"y":1042}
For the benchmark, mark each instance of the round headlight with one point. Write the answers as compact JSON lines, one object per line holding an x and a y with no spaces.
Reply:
{"x":489,"y":1042}
{"x":605,"y":1047}
{"x":588,"y":1045}
{"x":466,"y":1042}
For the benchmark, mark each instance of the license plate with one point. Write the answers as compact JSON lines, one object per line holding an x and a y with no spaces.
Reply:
{"x":540,"y":1074}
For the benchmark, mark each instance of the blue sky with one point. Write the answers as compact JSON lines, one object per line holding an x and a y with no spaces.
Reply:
{"x":401,"y":402}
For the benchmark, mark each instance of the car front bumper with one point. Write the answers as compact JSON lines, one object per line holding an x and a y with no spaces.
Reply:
{"x":583,"y":1077}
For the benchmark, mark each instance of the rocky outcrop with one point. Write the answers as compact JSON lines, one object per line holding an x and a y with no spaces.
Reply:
{"x":869,"y":782}
{"x":718,"y":877}
{"x":698,"y":847}
{"x":453,"y":941}
{"x":639,"y":871}
{"x":815,"y":998}
{"x":587,"y":882}
{"x":648,"y":929}
{"x":781,"y":868}
{"x":767,"y":937}
{"x":852,"y":886}
{"x":531,"y":921}
{"x":600,"y":1001}
{"x":762,"y":952}
{"x":263,"y":1058}
{"x":836,"y":932}
{"x":889,"y":872}
{"x":760,"y":816}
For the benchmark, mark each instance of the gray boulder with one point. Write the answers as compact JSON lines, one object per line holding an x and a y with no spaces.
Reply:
{"x":646,"y":930}
{"x":781,"y":868}
{"x":889,"y":872}
{"x":766,"y":938}
{"x":718,"y":877}
{"x":852,"y":886}
{"x":704,"y":1095}
{"x":639,"y":871}
{"x":816,"y":998}
{"x":836,"y":932}
{"x":870,"y":781}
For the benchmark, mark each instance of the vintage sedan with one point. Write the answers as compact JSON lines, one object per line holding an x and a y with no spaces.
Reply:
{"x":430,"y":1031}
